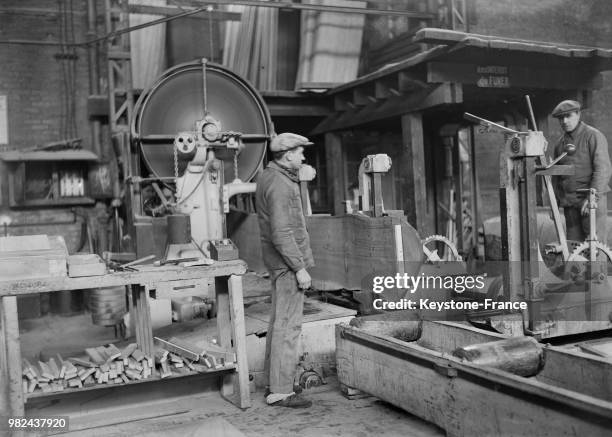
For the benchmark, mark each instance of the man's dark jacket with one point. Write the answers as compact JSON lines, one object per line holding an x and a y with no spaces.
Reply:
{"x":284,"y":238}
{"x":591,"y":163}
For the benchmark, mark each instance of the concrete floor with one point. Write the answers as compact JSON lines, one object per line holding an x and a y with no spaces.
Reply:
{"x":172,"y":405}
{"x":111,"y":413}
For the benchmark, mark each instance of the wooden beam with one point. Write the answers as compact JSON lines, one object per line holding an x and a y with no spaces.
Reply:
{"x":413,"y":163}
{"x":11,"y":358}
{"x":409,"y":81}
{"x":384,"y":88}
{"x":298,"y":105}
{"x":335,"y":172}
{"x":241,"y":383}
{"x":146,"y":275}
{"x":446,"y":93}
{"x":364,"y":95}
{"x":343,"y":102}
{"x":172,"y":10}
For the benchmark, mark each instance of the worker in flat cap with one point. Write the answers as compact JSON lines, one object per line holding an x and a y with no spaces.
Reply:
{"x":287,"y":256}
{"x":592,"y":166}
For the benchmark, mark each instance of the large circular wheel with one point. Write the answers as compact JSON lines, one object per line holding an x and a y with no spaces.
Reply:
{"x":578,"y":260}
{"x":176,"y":102}
{"x":432,"y":255}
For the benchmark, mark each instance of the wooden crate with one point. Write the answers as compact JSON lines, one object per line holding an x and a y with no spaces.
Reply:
{"x":32,"y":256}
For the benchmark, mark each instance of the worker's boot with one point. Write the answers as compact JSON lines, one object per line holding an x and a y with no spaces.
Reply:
{"x":297,"y":389}
{"x":293,"y":401}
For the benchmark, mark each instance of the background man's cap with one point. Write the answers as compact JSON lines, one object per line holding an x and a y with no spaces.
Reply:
{"x":288,"y":141}
{"x":566,"y":106}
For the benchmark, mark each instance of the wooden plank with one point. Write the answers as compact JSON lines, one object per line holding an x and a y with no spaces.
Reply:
{"x":239,"y":336}
{"x":578,"y":372}
{"x":95,"y":355}
{"x":173,"y":345}
{"x":12,"y":352}
{"x":23,"y":245}
{"x":413,"y":162}
{"x":335,"y":172}
{"x":224,"y":327}
{"x":147,"y":347}
{"x":85,"y":265}
{"x":146,"y":275}
{"x":5,"y":406}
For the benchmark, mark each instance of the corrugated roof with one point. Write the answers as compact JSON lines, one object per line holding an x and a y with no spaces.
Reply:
{"x":458,"y":39}
{"x":451,"y":45}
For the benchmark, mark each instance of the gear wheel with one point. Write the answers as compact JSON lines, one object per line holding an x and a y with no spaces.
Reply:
{"x":577,"y":254}
{"x":432,"y":255}
{"x":579,"y":258}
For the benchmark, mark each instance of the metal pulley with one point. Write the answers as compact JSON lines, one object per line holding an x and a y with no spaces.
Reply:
{"x":201,"y":102}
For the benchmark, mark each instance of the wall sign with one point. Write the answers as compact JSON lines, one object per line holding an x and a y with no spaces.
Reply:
{"x":493,"y":76}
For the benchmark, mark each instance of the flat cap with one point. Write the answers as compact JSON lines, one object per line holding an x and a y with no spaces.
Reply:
{"x":288,"y":141}
{"x":566,"y":106}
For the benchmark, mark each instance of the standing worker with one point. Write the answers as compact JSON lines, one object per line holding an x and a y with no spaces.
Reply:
{"x":592,"y":170}
{"x":286,"y":254}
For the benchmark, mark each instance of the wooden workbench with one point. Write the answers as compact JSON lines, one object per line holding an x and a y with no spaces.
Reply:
{"x":230,"y":321}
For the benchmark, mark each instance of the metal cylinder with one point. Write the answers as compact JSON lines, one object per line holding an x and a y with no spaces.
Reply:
{"x":107,"y":305}
{"x":179,"y":229}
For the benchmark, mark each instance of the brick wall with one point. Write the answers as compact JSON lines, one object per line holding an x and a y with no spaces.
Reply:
{"x":31,"y":78}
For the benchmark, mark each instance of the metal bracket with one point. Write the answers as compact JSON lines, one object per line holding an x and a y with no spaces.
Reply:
{"x":448,"y":371}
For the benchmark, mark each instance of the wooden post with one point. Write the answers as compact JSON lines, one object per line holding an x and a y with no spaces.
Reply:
{"x":378,"y":195}
{"x":413,"y":165}
{"x":224,"y":328}
{"x":458,"y":184}
{"x":141,"y":313}
{"x":335,"y":172}
{"x":241,"y":383}
{"x":11,"y":400}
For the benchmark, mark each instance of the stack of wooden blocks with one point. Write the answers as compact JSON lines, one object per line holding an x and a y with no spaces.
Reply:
{"x":110,"y":365}
{"x":106,"y":365}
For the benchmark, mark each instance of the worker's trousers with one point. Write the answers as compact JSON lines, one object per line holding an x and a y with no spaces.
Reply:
{"x":578,"y":227}
{"x":284,"y":329}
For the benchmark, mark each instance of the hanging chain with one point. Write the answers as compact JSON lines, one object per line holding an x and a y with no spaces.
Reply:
{"x":209,"y":9}
{"x":175,"y":149}
{"x":235,"y":163}
{"x":204,"y":90}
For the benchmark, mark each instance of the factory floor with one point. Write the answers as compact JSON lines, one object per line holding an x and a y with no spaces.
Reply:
{"x":180,"y":406}
{"x":192,"y":406}
{"x":177,"y":407}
